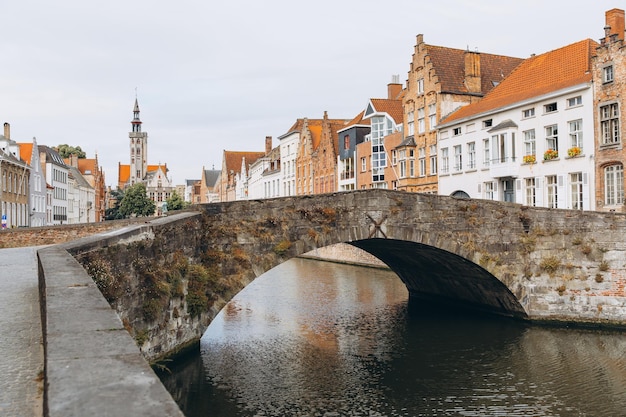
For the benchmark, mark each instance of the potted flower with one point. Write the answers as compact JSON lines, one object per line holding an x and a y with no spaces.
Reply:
{"x":574,"y":151}
{"x":529,"y":159}
{"x":550,"y":154}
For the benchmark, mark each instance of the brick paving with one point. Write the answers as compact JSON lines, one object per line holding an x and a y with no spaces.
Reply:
{"x":21,"y":349}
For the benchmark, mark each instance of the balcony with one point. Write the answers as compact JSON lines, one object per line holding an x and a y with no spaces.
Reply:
{"x":504,"y":167}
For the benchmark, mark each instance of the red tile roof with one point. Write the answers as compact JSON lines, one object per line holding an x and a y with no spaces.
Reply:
{"x":552,"y":71}
{"x":392,"y":107}
{"x":233,"y":159}
{"x":450,"y":66}
{"x":124,"y":171}
{"x":26,"y":152}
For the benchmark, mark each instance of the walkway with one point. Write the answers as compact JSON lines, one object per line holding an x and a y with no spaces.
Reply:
{"x":21,"y":348}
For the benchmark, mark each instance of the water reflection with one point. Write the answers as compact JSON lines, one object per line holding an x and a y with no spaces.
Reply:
{"x":319,"y":339}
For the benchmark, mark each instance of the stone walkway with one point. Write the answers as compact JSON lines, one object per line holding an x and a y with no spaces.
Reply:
{"x":21,"y":348}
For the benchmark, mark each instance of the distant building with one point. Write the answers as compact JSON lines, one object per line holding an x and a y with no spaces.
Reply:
{"x":81,"y":198}
{"x":158,"y":185}
{"x":29,"y":153}
{"x":15,"y":178}
{"x":208,"y":191}
{"x":94,"y":175}
{"x":57,"y":176}
{"x":233,"y":179}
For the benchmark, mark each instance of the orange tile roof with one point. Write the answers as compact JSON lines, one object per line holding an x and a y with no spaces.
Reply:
{"x":450,"y":66}
{"x":233,"y":159}
{"x":123,"y":171}
{"x":358,"y":120}
{"x":26,"y":152}
{"x":85,"y":165}
{"x":392,"y":107}
{"x":536,"y":76}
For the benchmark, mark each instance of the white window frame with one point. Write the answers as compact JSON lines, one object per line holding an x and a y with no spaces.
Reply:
{"x":614,"y":185}
{"x":576,"y":133}
{"x":610,"y":123}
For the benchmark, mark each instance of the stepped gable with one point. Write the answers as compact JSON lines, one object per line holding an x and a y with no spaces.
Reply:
{"x":536,"y":76}
{"x":450,"y":66}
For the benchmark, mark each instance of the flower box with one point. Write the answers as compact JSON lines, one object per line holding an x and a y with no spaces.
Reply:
{"x":573,"y":152}
{"x":550,"y":154}
{"x":529,"y":159}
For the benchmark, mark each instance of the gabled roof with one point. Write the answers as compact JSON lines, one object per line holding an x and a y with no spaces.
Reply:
{"x":381,"y":105}
{"x":449,"y":64}
{"x":52,"y":156}
{"x":211,"y":176}
{"x":88,"y":166}
{"x":78,"y":177}
{"x":26,"y":151}
{"x":536,"y":76}
{"x":232,"y":159}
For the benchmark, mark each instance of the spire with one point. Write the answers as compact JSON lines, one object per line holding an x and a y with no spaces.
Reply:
{"x":136,"y":123}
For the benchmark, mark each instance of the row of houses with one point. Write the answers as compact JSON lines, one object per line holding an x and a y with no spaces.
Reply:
{"x":542,"y":131}
{"x":40,"y":188}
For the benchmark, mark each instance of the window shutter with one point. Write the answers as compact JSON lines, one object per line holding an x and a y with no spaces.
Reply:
{"x":561,"y":194}
{"x":479,"y":188}
{"x":539,"y":191}
{"x":586,"y":205}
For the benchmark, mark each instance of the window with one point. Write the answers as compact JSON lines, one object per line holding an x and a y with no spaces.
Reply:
{"x":486,"y":153}
{"x":503,"y":148}
{"x":363,"y":164}
{"x":394,"y":157}
{"x":471,"y":155}
{"x":576,"y":137}
{"x":576,"y":184}
{"x":403,"y":168}
{"x":456,"y":131}
{"x":529,"y":142}
{"x":528,"y":113}
{"x":422,"y":160}
{"x":346,"y":142}
{"x":445,"y":162}
{"x":433,"y":159}
{"x":574,"y":101}
{"x":420,"y":86}
{"x":609,"y":123}
{"x":421,"y":127}
{"x":412,"y":168}
{"x":614,"y":185}
{"x":531,"y":196}
{"x":458,"y":158}
{"x":552,"y":191}
{"x":487,"y":123}
{"x":432,"y":116}
{"x":549,"y":108}
{"x":552,"y":138}
{"x":410,"y":120}
{"x":607,"y":74}
{"x":489,"y":190}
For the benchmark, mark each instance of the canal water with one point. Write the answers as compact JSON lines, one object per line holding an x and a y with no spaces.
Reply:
{"x":313,"y":338}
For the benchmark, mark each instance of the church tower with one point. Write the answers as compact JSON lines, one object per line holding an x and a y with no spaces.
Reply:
{"x":138,"y":149}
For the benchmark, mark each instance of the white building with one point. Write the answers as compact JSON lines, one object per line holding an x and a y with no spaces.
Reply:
{"x":57,"y":173}
{"x":81,"y":198}
{"x":530,"y":140}
{"x":289,"y":143}
{"x":30,"y":154}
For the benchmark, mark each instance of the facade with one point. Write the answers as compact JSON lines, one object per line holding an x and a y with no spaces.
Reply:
{"x":208,"y":189}
{"x":158,"y":185}
{"x":349,"y":137}
{"x":15,"y":179}
{"x":289,"y":144}
{"x":609,"y":78}
{"x":233,"y":179}
{"x":29,"y":153}
{"x":93,"y":173}
{"x":374,"y":155}
{"x":57,"y":176}
{"x":81,"y":198}
{"x":530,"y":140}
{"x":439,"y":81}
{"x":325,"y":156}
{"x":264,"y":174}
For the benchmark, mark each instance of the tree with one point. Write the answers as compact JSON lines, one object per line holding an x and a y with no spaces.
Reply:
{"x":175,"y":202}
{"x":136,"y":202}
{"x":113,"y":213}
{"x":66,"y":150}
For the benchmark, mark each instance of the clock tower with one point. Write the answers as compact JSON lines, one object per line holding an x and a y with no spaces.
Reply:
{"x":138,"y":149}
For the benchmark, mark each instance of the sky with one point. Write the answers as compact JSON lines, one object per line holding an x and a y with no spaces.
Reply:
{"x":212,"y":76}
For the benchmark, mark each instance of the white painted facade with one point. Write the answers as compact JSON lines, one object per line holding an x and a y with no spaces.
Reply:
{"x":256,"y":181}
{"x":288,"y":152}
{"x":487,"y":155}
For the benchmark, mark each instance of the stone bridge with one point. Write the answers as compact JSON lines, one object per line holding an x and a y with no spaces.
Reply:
{"x":530,"y":263}
{"x":167,"y":278}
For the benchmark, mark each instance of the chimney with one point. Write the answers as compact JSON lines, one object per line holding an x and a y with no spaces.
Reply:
{"x":472,"y":72}
{"x":614,"y":24}
{"x":7,"y":131}
{"x":394,"y":88}
{"x":268,"y":145}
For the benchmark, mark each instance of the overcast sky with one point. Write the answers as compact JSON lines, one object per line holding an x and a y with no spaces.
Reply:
{"x":211,"y":75}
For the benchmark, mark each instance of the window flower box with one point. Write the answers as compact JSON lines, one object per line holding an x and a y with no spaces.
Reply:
{"x":550,"y":154}
{"x":529,"y":159}
{"x":574,"y":152}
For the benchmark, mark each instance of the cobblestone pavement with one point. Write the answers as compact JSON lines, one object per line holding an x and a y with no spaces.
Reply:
{"x":21,"y":349}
